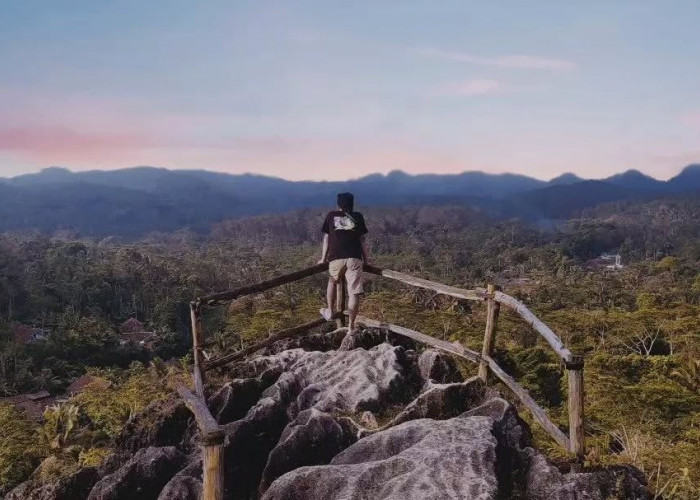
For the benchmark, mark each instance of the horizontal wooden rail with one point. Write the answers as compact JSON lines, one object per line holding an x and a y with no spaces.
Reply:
{"x":478,"y":294}
{"x":571,"y":362}
{"x":452,"y":347}
{"x":537,"y":412}
{"x":261,"y":287}
{"x":536,"y":324}
{"x":283,"y":334}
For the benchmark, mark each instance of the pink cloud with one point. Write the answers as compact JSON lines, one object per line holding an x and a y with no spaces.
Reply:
{"x":50,"y":143}
{"x":516,"y":61}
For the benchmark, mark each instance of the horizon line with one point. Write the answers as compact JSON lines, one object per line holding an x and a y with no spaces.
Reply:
{"x":391,"y":172}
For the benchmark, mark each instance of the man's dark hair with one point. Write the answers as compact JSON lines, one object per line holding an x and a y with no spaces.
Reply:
{"x":346,"y":202}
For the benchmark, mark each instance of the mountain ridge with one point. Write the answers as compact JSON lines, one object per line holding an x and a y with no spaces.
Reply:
{"x":54,"y":173}
{"x":138,"y":200}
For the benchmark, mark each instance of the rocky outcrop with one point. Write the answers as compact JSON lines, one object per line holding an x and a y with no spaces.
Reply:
{"x":369,"y":421}
{"x":313,"y":438}
{"x":362,"y":339}
{"x":366,"y":338}
{"x":143,"y":477}
{"x":313,"y":342}
{"x":332,"y":383}
{"x":162,"y":423}
{"x":442,"y":401}
{"x":234,"y":399}
{"x":186,"y":484}
{"x":340,"y":381}
{"x":543,"y":481}
{"x":484,"y":453}
{"x":339,"y":415}
{"x":439,"y":368}
{"x":422,"y":459}
{"x":75,"y":486}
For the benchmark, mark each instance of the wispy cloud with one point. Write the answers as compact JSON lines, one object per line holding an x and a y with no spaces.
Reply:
{"x":517,"y":61}
{"x":470,"y":88}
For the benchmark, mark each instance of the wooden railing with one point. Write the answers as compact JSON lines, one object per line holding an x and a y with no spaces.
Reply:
{"x":212,"y":435}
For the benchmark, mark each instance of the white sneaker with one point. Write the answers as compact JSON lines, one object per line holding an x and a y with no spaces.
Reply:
{"x":326,"y":313}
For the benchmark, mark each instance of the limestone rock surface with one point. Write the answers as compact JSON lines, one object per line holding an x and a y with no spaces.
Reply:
{"x":76,"y":486}
{"x":422,"y":459}
{"x":337,"y":416}
{"x":143,"y":477}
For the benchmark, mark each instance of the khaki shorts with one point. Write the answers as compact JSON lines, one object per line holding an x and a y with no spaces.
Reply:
{"x":352,"y":270}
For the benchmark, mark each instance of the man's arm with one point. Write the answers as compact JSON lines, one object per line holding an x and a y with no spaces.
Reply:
{"x":324,"y":249}
{"x":365,"y":253}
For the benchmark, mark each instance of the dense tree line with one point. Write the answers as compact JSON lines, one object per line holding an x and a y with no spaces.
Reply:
{"x":638,"y":326}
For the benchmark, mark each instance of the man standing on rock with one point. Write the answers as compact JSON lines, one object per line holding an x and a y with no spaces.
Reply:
{"x":345,"y":251}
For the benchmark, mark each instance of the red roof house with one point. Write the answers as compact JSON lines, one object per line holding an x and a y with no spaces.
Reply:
{"x":25,"y":334}
{"x":132,"y":332}
{"x":33,"y":404}
{"x":131,"y":325}
{"x":82,"y":382}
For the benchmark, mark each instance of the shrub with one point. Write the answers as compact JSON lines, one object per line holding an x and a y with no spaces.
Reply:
{"x":21,"y":449}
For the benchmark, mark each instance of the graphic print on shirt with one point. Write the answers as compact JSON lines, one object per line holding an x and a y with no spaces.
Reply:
{"x":343,"y":223}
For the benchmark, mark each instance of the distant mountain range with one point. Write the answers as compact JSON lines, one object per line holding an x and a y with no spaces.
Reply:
{"x":139,"y":200}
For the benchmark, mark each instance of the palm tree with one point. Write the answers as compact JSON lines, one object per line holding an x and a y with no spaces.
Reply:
{"x":61,"y":420}
{"x":159,"y":367}
{"x":689,"y":375}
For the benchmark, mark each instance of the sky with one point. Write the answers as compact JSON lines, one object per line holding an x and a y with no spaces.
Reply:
{"x":335,"y":90}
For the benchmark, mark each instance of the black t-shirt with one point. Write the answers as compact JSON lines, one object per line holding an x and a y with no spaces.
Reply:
{"x":344,"y":230}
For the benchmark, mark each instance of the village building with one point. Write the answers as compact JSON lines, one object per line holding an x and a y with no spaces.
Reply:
{"x":84,"y":381}
{"x":131,"y":325}
{"x":132,"y":331}
{"x":25,"y":334}
{"x":33,"y":404}
{"x":612,"y":261}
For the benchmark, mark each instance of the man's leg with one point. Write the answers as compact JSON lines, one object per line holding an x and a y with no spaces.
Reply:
{"x":353,"y":276}
{"x":335,"y":268}
{"x":353,"y":308}
{"x":330,"y":295}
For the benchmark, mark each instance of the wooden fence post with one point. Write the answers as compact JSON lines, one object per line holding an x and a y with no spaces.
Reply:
{"x":492,"y":309}
{"x":340,"y":300}
{"x":574,"y":367}
{"x":197,"y":345}
{"x":213,"y":467}
{"x":212,"y":439}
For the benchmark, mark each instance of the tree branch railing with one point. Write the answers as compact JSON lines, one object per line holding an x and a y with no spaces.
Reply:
{"x":456,"y":349}
{"x":213,"y":455}
{"x":283,"y":334}
{"x":213,"y":437}
{"x":228,"y":296}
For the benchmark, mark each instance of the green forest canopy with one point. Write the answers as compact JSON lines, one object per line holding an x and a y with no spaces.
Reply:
{"x":639,"y":327}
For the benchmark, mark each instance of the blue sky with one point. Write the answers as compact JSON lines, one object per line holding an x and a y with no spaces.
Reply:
{"x":335,"y":90}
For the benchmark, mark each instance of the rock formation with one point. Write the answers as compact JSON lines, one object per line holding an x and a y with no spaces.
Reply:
{"x":323,"y":417}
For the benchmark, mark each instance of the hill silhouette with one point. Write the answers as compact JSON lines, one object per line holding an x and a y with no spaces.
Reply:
{"x":135,"y":201}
